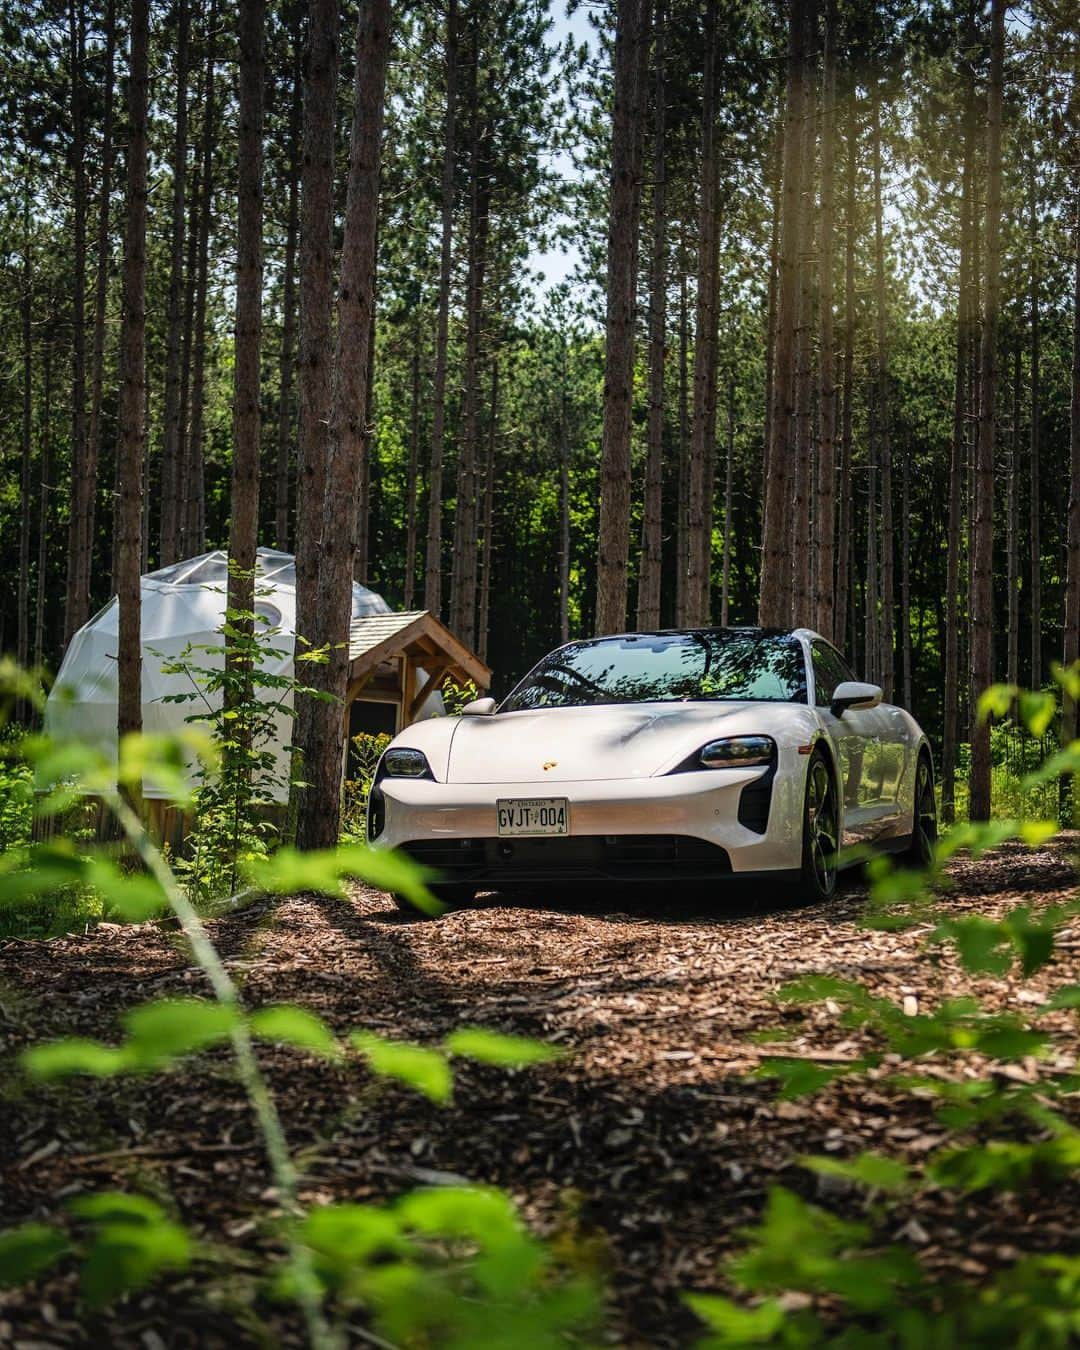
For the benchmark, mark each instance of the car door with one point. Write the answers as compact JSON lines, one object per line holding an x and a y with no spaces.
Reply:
{"x":866,"y":750}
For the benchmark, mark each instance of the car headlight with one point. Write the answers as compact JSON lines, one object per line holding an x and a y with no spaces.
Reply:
{"x":403,"y":763}
{"x":737,"y":752}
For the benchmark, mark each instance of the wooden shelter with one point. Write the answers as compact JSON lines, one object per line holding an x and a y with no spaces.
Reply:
{"x":387,"y":652}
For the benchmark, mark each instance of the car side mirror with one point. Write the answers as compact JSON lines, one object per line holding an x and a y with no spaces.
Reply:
{"x":480,"y":707}
{"x":854,"y":694}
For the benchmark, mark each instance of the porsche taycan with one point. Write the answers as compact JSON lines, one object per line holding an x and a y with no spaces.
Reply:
{"x":699,"y":755}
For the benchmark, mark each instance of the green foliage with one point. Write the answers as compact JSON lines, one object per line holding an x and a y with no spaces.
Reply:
{"x":366,"y":751}
{"x":856,"y":1288}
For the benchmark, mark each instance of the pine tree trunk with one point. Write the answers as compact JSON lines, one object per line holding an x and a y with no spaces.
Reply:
{"x":964,"y":314}
{"x":702,"y":448}
{"x":1070,"y":723}
{"x":412,"y":482}
{"x":905,"y":579}
{"x":770,"y":309}
{"x":729,"y":462}
{"x":487,"y":515}
{"x":802,"y":541}
{"x":1012,"y":527}
{"x":651,"y":562}
{"x":316,"y":309}
{"x":320,"y":806}
{"x":361,"y":558}
{"x":43,"y":508}
{"x":847,"y":380}
{"x":433,"y":556}
{"x":982,"y":671}
{"x":174,"y":317}
{"x":463,"y":575}
{"x":194,"y":489}
{"x":1034,"y":497}
{"x":26,"y":307}
{"x":101,"y":289}
{"x":131,"y":439}
{"x":77,"y":607}
{"x":247,"y":406}
{"x":775,"y":600}
{"x":286,"y":409}
{"x":825,"y":514}
{"x":631,"y":37}
{"x":888,"y":548}
{"x":682,"y":533}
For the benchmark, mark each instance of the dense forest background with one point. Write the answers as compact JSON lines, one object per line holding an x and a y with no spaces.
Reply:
{"x":815,"y":317}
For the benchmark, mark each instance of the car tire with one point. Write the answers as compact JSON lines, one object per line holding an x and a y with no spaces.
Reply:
{"x":820,"y":831}
{"x":452,"y":894}
{"x":924,"y":824}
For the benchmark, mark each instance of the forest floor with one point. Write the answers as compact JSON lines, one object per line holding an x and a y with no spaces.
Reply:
{"x":649,"y":1141}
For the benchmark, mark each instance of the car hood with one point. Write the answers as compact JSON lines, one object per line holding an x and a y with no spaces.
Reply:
{"x":565,"y":745}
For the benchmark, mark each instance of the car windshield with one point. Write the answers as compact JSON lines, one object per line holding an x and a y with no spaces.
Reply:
{"x":723,"y":666}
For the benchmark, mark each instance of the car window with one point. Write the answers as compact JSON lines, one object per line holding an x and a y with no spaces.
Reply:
{"x":719,"y":665}
{"x":829,"y":671}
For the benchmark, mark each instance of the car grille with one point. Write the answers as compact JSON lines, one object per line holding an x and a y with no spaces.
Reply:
{"x":616,"y":857}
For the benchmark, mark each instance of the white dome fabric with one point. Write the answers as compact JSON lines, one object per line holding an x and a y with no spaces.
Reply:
{"x":182,"y":605}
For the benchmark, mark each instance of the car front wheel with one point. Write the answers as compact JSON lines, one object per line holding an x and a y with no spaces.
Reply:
{"x":924,"y":824}
{"x":821,"y":831}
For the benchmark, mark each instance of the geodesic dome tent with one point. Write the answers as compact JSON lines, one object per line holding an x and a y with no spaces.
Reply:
{"x":182,"y":605}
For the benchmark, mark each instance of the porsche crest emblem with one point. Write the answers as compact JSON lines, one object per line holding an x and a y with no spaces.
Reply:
{"x":550,"y":764}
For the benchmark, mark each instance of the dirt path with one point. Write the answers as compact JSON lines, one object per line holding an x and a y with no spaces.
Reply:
{"x":648,"y":1137}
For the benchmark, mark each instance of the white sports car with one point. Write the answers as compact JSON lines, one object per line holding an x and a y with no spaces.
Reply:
{"x":708,"y":753}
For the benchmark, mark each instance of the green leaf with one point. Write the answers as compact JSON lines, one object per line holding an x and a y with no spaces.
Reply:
{"x":425,"y":1070}
{"x":162,"y":1031}
{"x":1037,"y":710}
{"x":290,"y":872}
{"x":133,"y":1241}
{"x":134,"y":897}
{"x":735,"y":1325}
{"x":996,"y":701}
{"x":1035,"y":833}
{"x":27,"y":1251}
{"x":801,"y":1077}
{"x":1068,"y":996}
{"x":57,"y":1059}
{"x":346,"y":1236}
{"x":290,"y":1025}
{"x":872,"y":1170}
{"x":493,"y":1047}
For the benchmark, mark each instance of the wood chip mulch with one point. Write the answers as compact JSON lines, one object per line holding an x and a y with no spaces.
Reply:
{"x":649,"y":1145}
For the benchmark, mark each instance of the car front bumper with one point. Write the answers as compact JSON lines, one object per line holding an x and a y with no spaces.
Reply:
{"x":683,"y":825}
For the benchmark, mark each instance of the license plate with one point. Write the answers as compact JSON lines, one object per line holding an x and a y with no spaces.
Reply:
{"x":534,"y":815}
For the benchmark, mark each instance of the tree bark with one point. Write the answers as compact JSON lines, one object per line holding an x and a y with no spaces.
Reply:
{"x":825,"y":514}
{"x":286,"y":410}
{"x":1070,"y":722}
{"x":247,"y":403}
{"x":957,"y":454}
{"x":43,"y":508}
{"x":1034,"y":497}
{"x":982,"y":671}
{"x":77,"y":607}
{"x":651,"y":561}
{"x":802,"y":546}
{"x":194,"y":488}
{"x":132,"y":402}
{"x":26,"y":307}
{"x":775,"y":599}
{"x":101,"y":290}
{"x":729,"y":462}
{"x":487,"y":515}
{"x":174,"y":412}
{"x":320,"y":806}
{"x":412,"y":482}
{"x":1012,"y":531}
{"x":682,"y":532}
{"x":463,"y":574}
{"x":888,"y":547}
{"x":631,"y":38}
{"x":433,"y":556}
{"x":847,"y":379}
{"x":770,"y":309}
